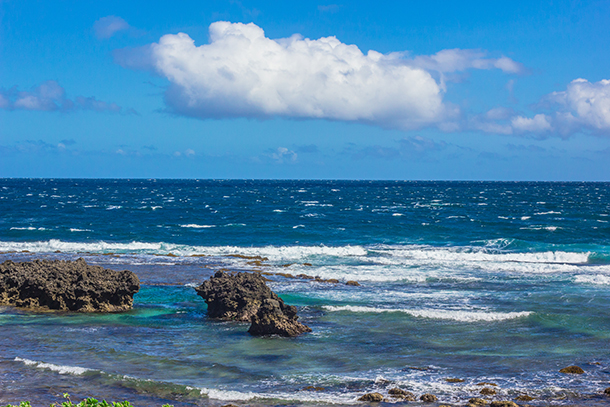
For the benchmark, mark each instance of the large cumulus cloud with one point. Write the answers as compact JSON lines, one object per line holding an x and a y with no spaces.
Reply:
{"x":242,"y":73}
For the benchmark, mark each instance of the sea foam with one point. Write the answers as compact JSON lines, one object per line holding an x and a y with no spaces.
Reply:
{"x":61,"y":369}
{"x":455,"y":315}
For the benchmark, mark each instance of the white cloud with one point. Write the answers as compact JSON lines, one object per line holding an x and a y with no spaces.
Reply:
{"x":282,"y":155}
{"x":584,"y":104}
{"x":50,"y":96}
{"x":538,"y":124}
{"x":242,"y":73}
{"x":453,"y":60}
{"x":106,"y":27}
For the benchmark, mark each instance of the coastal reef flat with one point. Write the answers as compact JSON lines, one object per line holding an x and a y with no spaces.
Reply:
{"x":66,"y":286}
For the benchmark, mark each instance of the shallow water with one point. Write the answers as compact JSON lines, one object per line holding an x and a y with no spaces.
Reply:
{"x":487,"y":282}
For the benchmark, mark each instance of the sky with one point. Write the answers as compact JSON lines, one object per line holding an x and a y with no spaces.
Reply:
{"x":435,"y":90}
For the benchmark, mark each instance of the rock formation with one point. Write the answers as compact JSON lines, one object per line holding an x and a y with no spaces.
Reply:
{"x":572,"y":370}
{"x":503,"y":403}
{"x":401,"y":394}
{"x":428,"y":398}
{"x":246,"y":297}
{"x":67,"y":286}
{"x":371,"y":397}
{"x":276,"y":318}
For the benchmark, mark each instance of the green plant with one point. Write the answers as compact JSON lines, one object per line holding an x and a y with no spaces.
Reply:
{"x":88,"y":402}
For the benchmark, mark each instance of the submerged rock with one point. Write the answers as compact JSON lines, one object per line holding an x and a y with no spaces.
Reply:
{"x":66,"y":286}
{"x":504,"y":403}
{"x":487,"y":391}
{"x":524,"y":397}
{"x":374,"y":397}
{"x":428,"y":398}
{"x":401,"y":394}
{"x":454,"y":380}
{"x":246,"y":297}
{"x":572,"y":370}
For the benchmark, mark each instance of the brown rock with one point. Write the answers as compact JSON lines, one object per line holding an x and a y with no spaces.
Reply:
{"x":486,"y":384}
{"x":524,"y":397}
{"x":352,"y":283}
{"x":487,"y":391}
{"x":234,"y":297}
{"x":401,"y":394}
{"x":67,"y":286}
{"x":246,"y":297}
{"x":607,"y":391}
{"x":475,"y":401}
{"x":572,"y":370}
{"x":374,"y":397}
{"x":276,"y":318}
{"x":454,"y":380}
{"x":504,"y":403}
{"x":428,"y":398}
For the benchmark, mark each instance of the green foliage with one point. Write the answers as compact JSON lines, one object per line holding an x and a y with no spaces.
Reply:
{"x":88,"y":402}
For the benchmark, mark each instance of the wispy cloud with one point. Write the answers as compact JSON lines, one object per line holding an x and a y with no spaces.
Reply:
{"x":454,"y":60}
{"x":108,"y":26}
{"x":407,"y":148}
{"x":50,"y":96}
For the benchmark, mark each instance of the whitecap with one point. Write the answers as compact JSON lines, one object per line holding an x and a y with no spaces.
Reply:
{"x":195,"y":226}
{"x":454,"y":315}
{"x":74,"y":370}
{"x":597,"y":279}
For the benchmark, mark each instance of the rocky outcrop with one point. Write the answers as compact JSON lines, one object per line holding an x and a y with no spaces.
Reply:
{"x":246,"y":297}
{"x":475,"y":401}
{"x":67,"y":286}
{"x":276,"y":318}
{"x":234,"y":297}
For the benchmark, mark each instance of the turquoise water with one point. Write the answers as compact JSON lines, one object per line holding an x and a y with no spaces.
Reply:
{"x":487,"y":282}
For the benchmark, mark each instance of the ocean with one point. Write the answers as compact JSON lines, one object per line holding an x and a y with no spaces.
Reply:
{"x":486,"y":282}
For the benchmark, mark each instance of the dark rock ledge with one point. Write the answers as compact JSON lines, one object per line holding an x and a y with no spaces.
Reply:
{"x":246,"y":297}
{"x":66,"y":286}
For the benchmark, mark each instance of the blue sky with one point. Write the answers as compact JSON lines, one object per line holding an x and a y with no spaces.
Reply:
{"x":472,"y":90}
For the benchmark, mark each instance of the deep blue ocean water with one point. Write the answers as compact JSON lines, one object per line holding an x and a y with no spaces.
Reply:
{"x":503,"y":282}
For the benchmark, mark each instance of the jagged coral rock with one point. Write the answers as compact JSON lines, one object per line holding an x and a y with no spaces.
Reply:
{"x":66,"y":286}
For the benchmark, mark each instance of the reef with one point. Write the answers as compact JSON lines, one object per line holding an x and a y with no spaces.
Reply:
{"x":66,"y":286}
